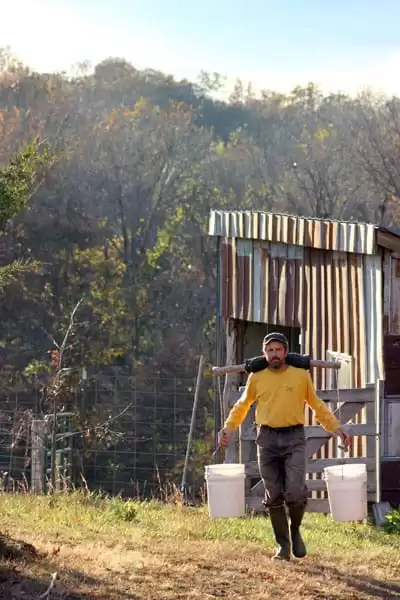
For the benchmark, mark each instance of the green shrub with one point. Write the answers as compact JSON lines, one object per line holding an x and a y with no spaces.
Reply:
{"x":392,"y":524}
{"x":123,"y":510}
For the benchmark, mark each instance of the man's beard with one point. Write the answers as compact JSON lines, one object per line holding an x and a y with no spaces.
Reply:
{"x":276,"y":363}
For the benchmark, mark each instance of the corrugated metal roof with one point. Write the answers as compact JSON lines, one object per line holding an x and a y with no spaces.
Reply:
{"x":358,"y":238}
{"x":334,"y":298}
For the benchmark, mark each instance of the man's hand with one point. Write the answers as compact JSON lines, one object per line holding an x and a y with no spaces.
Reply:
{"x":223,"y":437}
{"x":346,"y":439}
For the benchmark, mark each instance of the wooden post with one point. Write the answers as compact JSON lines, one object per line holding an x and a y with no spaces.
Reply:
{"x":379,"y":422}
{"x":38,"y":436}
{"x":246,"y":442}
{"x":369,"y":445}
{"x":228,"y":393}
{"x":192,"y":423}
{"x":247,"y":434}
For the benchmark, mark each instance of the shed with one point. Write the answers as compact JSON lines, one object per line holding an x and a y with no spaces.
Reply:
{"x":332,"y":287}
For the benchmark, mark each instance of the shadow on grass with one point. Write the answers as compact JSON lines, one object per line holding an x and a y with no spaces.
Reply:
{"x":17,"y":582}
{"x":26,"y":573}
{"x":376,"y":588}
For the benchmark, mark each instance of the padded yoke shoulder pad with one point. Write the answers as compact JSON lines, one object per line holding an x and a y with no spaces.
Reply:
{"x":259,"y":363}
{"x":301,"y":361}
{"x":253,"y":365}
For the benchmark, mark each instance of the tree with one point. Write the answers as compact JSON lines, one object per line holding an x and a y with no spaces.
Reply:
{"x":19,"y":181}
{"x":375,"y":125}
{"x":146,"y":157}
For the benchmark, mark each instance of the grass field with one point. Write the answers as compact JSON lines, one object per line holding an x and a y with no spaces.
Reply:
{"x":109,"y":549}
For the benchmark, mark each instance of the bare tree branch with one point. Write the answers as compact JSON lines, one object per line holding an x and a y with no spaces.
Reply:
{"x":47,"y":593}
{"x":70,"y":327}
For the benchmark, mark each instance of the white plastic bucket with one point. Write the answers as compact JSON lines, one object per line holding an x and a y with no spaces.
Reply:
{"x":226,"y":490}
{"x":347,"y":492}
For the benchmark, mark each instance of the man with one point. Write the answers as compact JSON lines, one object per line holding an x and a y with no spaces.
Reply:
{"x":281,"y":391}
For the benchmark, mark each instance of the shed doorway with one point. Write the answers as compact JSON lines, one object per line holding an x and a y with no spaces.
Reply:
{"x":250,"y":338}
{"x":254,"y":333}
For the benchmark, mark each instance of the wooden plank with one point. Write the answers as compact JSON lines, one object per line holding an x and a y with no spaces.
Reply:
{"x":251,"y":469}
{"x":315,"y":505}
{"x":316,"y":485}
{"x":312,"y":485}
{"x":344,"y":379}
{"x":319,"y":505}
{"x":370,"y":441}
{"x":316,"y":431}
{"x":230,"y":381}
{"x":234,"y":397}
{"x":247,"y":434}
{"x":379,"y":450}
{"x":346,"y":412}
{"x":246,"y":445}
{"x":318,"y":465}
{"x":361,"y":396}
{"x":39,"y":429}
{"x":254,"y":503}
{"x":257,"y":490}
{"x":319,"y":485}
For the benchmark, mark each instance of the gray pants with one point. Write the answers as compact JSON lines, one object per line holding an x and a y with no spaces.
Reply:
{"x":282,"y":463}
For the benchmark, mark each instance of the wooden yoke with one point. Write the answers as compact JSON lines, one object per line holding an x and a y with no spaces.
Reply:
{"x":232,"y":369}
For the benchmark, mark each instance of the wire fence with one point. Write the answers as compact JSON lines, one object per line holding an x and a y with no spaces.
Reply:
{"x":120,"y":435}
{"x":127,"y":436}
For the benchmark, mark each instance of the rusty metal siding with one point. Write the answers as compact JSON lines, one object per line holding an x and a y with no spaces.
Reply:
{"x":333,"y":297}
{"x":391,"y":321}
{"x":391,"y":481}
{"x":391,"y":275}
{"x":359,"y":238}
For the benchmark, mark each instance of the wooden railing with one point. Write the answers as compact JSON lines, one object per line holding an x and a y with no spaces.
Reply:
{"x":361,"y":407}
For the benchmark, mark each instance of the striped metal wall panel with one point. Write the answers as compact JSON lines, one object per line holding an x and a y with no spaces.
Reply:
{"x":359,"y":238}
{"x":333,"y":297}
{"x":391,"y":302}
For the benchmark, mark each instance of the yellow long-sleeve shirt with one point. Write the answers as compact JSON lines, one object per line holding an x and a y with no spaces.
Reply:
{"x":280,"y":398}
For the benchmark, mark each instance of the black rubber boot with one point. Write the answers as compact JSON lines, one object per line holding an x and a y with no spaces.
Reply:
{"x":296,"y":514}
{"x":280,"y":526}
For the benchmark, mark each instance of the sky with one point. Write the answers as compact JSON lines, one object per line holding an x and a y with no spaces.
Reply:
{"x":341,"y":45}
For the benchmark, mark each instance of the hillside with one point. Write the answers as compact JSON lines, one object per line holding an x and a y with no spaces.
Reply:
{"x":120,"y":222}
{"x":141,"y":160}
